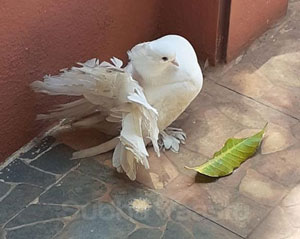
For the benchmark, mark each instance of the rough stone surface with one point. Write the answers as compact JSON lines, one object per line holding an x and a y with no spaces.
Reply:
{"x":245,"y":79}
{"x":2,"y":233}
{"x":161,"y":172}
{"x":17,"y":171}
{"x":283,"y":221}
{"x":18,"y":198}
{"x":186,"y":158}
{"x":209,"y":230}
{"x":145,"y":233}
{"x":39,"y":148}
{"x":282,"y":167}
{"x":270,"y":68}
{"x":142,"y":205}
{"x":175,"y":230}
{"x":116,"y":209}
{"x":98,"y":220}
{"x":261,"y":189}
{"x":56,"y":160}
{"x":184,"y":217}
{"x":242,"y":215}
{"x":74,"y":189}
{"x":276,"y":226}
{"x":37,"y":231}
{"x":292,"y":198}
{"x":98,"y":170}
{"x":296,"y":131}
{"x":3,"y":189}
{"x":277,"y":139}
{"x":38,"y":212}
{"x":198,"y":226}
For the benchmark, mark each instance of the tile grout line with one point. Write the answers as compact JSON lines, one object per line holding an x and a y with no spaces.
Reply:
{"x":259,"y":102}
{"x":43,"y":171}
{"x":74,"y":216}
{"x":272,"y":209}
{"x":35,"y":223}
{"x":17,"y":153}
{"x":37,"y":198}
{"x":206,"y":218}
{"x":217,"y":223}
{"x":268,"y":213}
{"x":28,"y":160}
{"x":27,"y":147}
{"x":12,"y":187}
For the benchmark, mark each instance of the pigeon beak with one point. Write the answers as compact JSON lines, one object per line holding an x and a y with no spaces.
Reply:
{"x":174,"y":62}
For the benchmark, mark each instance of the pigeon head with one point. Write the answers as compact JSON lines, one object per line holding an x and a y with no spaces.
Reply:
{"x":151,"y":59}
{"x":168,"y":54}
{"x":161,"y":54}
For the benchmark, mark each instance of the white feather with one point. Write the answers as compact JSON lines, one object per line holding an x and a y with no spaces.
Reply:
{"x":145,"y":97}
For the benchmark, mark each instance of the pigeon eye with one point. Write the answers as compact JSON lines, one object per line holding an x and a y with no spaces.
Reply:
{"x":164,"y":58}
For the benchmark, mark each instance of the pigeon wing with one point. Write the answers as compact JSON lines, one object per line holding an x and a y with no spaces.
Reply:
{"x":109,"y":91}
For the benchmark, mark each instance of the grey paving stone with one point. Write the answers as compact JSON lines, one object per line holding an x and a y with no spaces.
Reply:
{"x":175,"y":230}
{"x":3,"y":189}
{"x":198,"y":225}
{"x":18,"y":198}
{"x":2,"y":233}
{"x":38,"y":231}
{"x":184,"y":216}
{"x":56,"y":160}
{"x":95,"y":169}
{"x":145,"y":233}
{"x":209,"y":230}
{"x":74,"y":189}
{"x":19,"y":172}
{"x":98,"y":221}
{"x":39,"y":148}
{"x":39,"y":213}
{"x":141,"y":204}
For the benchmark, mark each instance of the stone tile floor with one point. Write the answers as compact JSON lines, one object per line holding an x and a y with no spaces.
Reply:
{"x":44,"y":194}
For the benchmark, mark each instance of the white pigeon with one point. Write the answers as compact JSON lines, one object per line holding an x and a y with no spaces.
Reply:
{"x":144,"y":98}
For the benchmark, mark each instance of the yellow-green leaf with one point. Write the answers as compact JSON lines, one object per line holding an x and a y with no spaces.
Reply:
{"x":233,"y":153}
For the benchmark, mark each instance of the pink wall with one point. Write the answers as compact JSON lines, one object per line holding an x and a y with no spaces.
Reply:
{"x":249,"y":19}
{"x":196,"y":20}
{"x":39,"y":37}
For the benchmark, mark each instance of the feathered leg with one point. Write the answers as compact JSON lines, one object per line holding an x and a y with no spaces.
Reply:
{"x":171,"y":138}
{"x":99,"y":149}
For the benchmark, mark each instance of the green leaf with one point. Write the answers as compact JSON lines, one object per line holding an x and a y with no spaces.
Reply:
{"x":230,"y":157}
